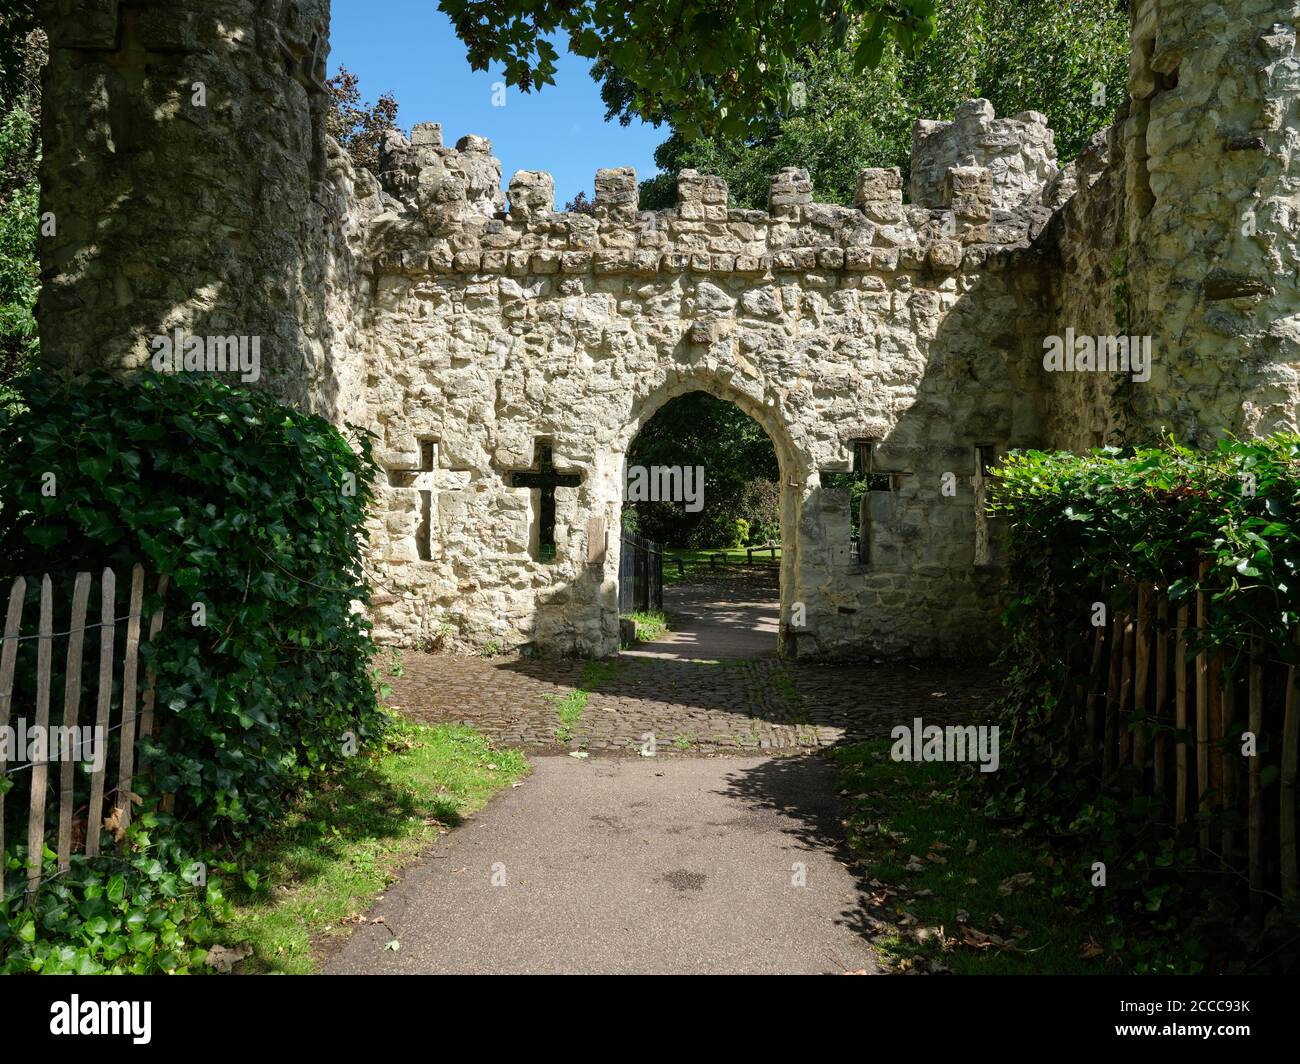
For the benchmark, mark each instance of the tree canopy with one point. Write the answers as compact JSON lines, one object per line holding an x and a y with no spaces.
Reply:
{"x":717,"y":66}
{"x":358,"y":127}
{"x":1065,"y":58}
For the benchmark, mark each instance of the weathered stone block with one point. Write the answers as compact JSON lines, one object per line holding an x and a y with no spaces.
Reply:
{"x":944,"y":255}
{"x":544,"y":262}
{"x":427,"y":134}
{"x":617,"y":195}
{"x":87,"y":24}
{"x":789,"y":189}
{"x":879,"y":185}
{"x":532,"y":195}
{"x":575,"y":261}
{"x":968,"y":193}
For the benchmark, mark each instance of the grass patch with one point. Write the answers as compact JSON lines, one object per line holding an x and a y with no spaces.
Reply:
{"x":954,"y":891}
{"x":697,"y":562}
{"x":788,"y":691}
{"x":650,"y":624}
{"x":571,"y":707}
{"x":342,"y":843}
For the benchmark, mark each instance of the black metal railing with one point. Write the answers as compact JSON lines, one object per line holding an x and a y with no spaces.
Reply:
{"x":640,"y":574}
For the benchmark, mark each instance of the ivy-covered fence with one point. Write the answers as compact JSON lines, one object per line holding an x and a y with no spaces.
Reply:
{"x":74,"y":741}
{"x":1153,"y":625}
{"x":253,"y":517}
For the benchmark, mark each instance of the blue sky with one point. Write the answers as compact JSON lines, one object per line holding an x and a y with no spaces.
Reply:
{"x":407,"y":47}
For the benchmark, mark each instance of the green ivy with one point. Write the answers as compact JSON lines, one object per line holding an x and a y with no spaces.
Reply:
{"x":256,"y":513}
{"x":147,"y":912}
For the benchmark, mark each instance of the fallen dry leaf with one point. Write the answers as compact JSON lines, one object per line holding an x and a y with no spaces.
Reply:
{"x":983,"y":940}
{"x":113,"y":823}
{"x":979,"y":939}
{"x":1014,"y":883}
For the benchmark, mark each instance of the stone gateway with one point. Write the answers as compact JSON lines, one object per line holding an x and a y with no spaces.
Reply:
{"x":506,"y":354}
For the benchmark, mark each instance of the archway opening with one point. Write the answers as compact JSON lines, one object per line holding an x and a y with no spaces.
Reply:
{"x":702,"y":485}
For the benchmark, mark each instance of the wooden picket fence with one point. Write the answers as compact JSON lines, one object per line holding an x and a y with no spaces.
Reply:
{"x":1153,"y":704}
{"x":131,"y":724}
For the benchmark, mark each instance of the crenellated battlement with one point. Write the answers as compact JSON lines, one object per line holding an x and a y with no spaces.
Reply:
{"x":1019,"y":154}
{"x":976,"y":190}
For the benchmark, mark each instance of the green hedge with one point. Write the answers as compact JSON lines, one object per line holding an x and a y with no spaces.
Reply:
{"x":1076,"y":522}
{"x":255,"y":512}
{"x":1109,"y":520}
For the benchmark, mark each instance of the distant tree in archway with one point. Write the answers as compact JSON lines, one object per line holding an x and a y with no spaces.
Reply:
{"x":741,"y":473}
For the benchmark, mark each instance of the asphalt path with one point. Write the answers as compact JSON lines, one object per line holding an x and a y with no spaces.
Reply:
{"x":631,"y":865}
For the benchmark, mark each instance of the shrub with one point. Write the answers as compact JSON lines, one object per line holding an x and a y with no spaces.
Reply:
{"x":19,"y":271}
{"x":1112,"y":520}
{"x":140,"y":914}
{"x":256,"y":514}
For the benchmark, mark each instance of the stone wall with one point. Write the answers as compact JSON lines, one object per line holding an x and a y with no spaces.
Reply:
{"x":1019,"y":154}
{"x":1212,"y":215}
{"x":1085,"y":248}
{"x":912,"y":328}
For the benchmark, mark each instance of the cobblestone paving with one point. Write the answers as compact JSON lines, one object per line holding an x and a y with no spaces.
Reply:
{"x":690,"y":707}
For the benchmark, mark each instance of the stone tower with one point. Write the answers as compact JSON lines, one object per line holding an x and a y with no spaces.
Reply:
{"x":185,"y":163}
